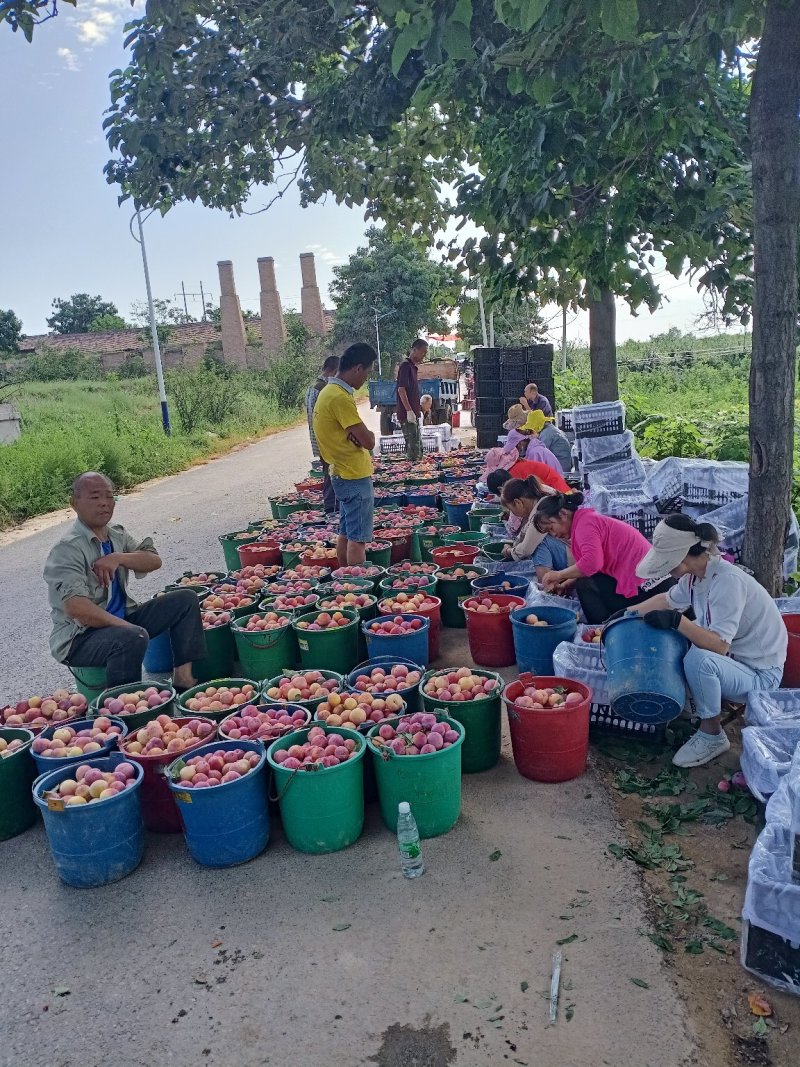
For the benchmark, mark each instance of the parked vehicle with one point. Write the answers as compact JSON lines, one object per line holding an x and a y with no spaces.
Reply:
{"x":439,"y":378}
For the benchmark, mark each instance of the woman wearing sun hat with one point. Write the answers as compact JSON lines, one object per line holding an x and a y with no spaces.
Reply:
{"x":738,"y":643}
{"x":542,"y":429}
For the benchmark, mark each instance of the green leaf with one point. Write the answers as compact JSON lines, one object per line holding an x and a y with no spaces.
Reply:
{"x":523,"y":986}
{"x":61,"y":991}
{"x":339,"y":927}
{"x":457,"y":41}
{"x":408,"y":39}
{"x":694,"y":947}
{"x":641,"y":984}
{"x":402,"y":19}
{"x":515,"y":81}
{"x":495,"y":855}
{"x":620,"y":18}
{"x":760,"y":1028}
{"x":567,"y":940}
{"x":462,"y":12}
{"x":530,"y":13}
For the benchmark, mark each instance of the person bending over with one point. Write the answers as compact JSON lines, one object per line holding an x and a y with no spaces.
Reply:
{"x":96,"y":623}
{"x":738,"y":641}
{"x":606,"y":552}
{"x":346,"y":445}
{"x":521,"y":498}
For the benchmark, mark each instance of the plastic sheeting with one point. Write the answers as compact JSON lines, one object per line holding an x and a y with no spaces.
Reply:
{"x":696,"y":481}
{"x":775,"y":707}
{"x":580,"y":664}
{"x":767,"y":753}
{"x":730,"y":521}
{"x":592,"y":450}
{"x":628,"y":472}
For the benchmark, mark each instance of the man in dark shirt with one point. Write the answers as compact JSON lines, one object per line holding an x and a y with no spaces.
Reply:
{"x":408,"y":409}
{"x":532,"y":400}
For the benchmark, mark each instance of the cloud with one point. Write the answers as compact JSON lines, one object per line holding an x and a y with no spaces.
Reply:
{"x":101,"y":19}
{"x":69,"y":58}
{"x":325,"y":255}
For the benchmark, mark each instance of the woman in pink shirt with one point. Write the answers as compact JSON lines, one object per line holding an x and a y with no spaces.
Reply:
{"x":606,"y":553}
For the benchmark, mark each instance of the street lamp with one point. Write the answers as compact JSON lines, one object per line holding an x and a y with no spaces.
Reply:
{"x":162,"y":392}
{"x":378,"y":318}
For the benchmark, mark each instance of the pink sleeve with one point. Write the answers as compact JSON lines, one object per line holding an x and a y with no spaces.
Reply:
{"x":587,"y":546}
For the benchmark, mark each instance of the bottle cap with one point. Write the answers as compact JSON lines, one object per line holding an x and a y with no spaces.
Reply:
{"x":404,"y":807}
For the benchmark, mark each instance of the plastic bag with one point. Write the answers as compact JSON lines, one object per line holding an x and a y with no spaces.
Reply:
{"x":767,"y":753}
{"x":773,"y":707}
{"x":536,"y":598}
{"x":606,"y":449}
{"x":730,"y":522}
{"x":580,"y":664}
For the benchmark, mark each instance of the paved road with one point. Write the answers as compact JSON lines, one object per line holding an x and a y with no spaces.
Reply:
{"x":178,"y":964}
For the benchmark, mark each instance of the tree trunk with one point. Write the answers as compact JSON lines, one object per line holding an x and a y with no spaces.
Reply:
{"x":776,"y":213}
{"x":603,"y":347}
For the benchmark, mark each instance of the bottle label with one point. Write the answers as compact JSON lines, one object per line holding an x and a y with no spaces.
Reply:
{"x":411,"y":849}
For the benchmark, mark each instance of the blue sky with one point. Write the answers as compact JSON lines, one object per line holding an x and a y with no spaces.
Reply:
{"x":62,"y":231}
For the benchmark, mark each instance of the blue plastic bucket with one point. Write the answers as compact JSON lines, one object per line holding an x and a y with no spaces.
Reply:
{"x":410,"y":695}
{"x":457,"y":514}
{"x":534,"y":645}
{"x":52,"y":763}
{"x":93,"y":844}
{"x":492,"y":583}
{"x":230,"y":823}
{"x":411,"y":646}
{"x":646,"y":682}
{"x":425,"y":499}
{"x":158,"y":656}
{"x":389,"y":500}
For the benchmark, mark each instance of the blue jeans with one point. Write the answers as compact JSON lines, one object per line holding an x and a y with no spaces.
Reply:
{"x":711,"y":677}
{"x":356,"y":505}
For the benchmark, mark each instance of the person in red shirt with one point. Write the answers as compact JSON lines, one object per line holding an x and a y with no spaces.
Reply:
{"x":524,"y":468}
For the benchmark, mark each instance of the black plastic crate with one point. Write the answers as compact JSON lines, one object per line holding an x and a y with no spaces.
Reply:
{"x":772,"y":957}
{"x":604,"y":723}
{"x":486,"y":360}
{"x":490,"y":405}
{"x":513,"y":386}
{"x":487,"y":438}
{"x":488,"y":422}
{"x":488,"y":386}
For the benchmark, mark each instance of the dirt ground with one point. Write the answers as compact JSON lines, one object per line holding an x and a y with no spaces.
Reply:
{"x":705,"y":966}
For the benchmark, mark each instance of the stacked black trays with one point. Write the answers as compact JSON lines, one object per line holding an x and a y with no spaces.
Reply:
{"x":501,"y":375}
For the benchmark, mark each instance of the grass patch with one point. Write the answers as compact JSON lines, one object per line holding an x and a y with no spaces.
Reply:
{"x":114,"y":427}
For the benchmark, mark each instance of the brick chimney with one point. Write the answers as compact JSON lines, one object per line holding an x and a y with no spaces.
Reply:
{"x":310,"y":300}
{"x":273,"y":329}
{"x":234,"y":338}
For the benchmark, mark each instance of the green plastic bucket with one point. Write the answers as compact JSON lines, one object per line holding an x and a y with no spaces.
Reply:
{"x":382,"y":556}
{"x":314,"y":702}
{"x":141,"y":718}
{"x":291,"y":557}
{"x":493,"y":550}
{"x":321,"y":810}
{"x":285,"y":508}
{"x":265,"y":653}
{"x":217,"y":716}
{"x":430,"y":783}
{"x":365,"y":612}
{"x":467,"y":537}
{"x":333,"y":650}
{"x":385,"y":585}
{"x":481,"y":720}
{"x":451,"y":591}
{"x":230,"y":545}
{"x":91,"y":681}
{"x":428,"y":541}
{"x":477,"y":516}
{"x":17,"y":772}
{"x":220,"y":654}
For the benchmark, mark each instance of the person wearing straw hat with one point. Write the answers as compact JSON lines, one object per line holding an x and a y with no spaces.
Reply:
{"x":541,"y":428}
{"x":737,"y":643}
{"x":515,"y":417}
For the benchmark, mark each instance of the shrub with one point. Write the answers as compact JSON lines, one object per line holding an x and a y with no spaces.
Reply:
{"x":288,"y":376}
{"x":69,"y":364}
{"x":134,"y":366}
{"x":202,"y":397}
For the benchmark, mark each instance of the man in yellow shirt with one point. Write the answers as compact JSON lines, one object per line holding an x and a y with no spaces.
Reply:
{"x":346,"y":445}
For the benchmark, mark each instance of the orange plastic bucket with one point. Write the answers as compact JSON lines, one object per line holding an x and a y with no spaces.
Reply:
{"x":548,"y":746}
{"x":454,"y":555}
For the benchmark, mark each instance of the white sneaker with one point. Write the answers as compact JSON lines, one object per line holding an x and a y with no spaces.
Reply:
{"x":700,"y":749}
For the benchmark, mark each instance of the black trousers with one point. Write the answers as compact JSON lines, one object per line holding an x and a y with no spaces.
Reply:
{"x":599,"y":597}
{"x":121,"y":649}
{"x":328,"y":495}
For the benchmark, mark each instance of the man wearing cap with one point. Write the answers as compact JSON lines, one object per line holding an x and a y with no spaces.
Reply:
{"x":539,"y":426}
{"x":738,"y":641}
{"x":532,"y":400}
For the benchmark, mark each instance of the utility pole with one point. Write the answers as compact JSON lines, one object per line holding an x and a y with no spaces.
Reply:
{"x":162,"y":392}
{"x":185,"y":305}
{"x":483,"y":315}
{"x":491,"y":328}
{"x":564,"y":338}
{"x":203,"y":301}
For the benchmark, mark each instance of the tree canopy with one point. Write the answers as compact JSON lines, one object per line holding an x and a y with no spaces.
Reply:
{"x":108,"y":322}
{"x":77,"y":313}
{"x":10,"y":331}
{"x":391,"y":275}
{"x":517,"y":323}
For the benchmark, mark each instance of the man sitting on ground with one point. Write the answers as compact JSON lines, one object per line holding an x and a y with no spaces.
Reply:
{"x":95,"y":621}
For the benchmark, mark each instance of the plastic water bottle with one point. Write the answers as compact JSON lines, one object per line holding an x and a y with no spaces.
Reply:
{"x":481,"y":490}
{"x":408,"y":842}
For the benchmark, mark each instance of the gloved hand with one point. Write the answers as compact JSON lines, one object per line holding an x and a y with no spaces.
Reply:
{"x":667,"y":619}
{"x":410,"y":416}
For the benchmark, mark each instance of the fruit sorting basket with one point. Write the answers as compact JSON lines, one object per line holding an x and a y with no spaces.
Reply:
{"x":598,"y":420}
{"x":628,"y":472}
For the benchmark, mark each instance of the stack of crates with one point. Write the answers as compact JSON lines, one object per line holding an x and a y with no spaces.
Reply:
{"x":501,"y":375}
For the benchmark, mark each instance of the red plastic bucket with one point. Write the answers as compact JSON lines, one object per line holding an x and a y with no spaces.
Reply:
{"x":400,"y":540}
{"x":548,"y":746}
{"x":454,"y":555}
{"x":491,"y":639}
{"x":456,"y":420}
{"x":159,"y":810}
{"x":791,"y":671}
{"x":264,"y":552}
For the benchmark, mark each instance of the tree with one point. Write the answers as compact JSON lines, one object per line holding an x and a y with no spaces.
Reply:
{"x":166,"y":313}
{"x":77,"y":314}
{"x":10,"y":331}
{"x":26,"y":14}
{"x":108,"y":322}
{"x":392,"y":276}
{"x":516,"y":323}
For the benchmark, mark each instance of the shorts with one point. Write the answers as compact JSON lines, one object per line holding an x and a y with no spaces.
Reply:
{"x":356,"y":504}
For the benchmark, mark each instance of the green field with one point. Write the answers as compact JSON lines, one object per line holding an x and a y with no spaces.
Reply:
{"x":115,"y":427}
